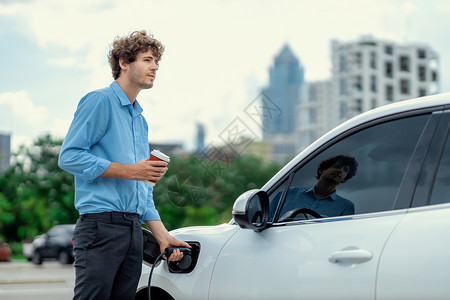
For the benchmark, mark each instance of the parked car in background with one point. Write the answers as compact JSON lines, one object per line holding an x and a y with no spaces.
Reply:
{"x":392,"y":245}
{"x":56,"y":243}
{"x":5,"y":252}
{"x":27,"y":249}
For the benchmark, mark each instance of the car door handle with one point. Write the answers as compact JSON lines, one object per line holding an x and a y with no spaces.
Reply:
{"x":356,"y":256}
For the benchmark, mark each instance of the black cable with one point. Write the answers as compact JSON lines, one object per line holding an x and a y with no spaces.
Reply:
{"x":151,"y":272}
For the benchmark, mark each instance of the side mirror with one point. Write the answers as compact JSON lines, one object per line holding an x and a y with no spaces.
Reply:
{"x":251,"y":210}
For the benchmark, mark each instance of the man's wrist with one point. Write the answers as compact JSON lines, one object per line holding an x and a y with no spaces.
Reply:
{"x":118,"y":170}
{"x":158,"y":229}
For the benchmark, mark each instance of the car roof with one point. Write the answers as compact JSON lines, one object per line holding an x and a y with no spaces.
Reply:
{"x":422,"y":103}
{"x":63,"y":227}
{"x":66,"y":225}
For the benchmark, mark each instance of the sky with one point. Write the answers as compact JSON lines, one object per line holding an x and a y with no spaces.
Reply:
{"x":218,"y":54}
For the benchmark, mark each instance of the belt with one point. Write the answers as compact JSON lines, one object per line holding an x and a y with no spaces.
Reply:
{"x":112,"y":216}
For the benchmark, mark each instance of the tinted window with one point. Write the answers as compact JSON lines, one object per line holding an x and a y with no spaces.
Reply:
{"x":441,"y":190}
{"x":274,"y":199}
{"x":382,"y":152}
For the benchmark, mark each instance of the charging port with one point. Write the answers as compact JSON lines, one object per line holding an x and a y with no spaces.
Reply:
{"x":189,"y":260}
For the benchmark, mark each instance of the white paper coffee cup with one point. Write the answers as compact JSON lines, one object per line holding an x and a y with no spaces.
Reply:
{"x":157,"y":155}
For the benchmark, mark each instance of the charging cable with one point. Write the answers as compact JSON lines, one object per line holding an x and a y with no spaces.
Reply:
{"x":151,"y":273}
{"x":168,"y":252}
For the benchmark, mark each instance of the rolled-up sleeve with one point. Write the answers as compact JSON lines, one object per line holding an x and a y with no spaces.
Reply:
{"x":88,"y":126}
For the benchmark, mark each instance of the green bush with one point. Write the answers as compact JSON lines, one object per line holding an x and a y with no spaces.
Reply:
{"x":16,"y":250}
{"x":35,"y":194}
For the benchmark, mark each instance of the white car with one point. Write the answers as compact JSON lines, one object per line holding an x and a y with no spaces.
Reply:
{"x":393,"y":246}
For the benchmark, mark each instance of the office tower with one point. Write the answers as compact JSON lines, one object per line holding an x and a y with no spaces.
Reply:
{"x":372,"y":72}
{"x":286,"y":80}
{"x":284,"y":93}
{"x":366,"y":73}
{"x":200,"y":139}
{"x":313,"y":112}
{"x":5,"y":150}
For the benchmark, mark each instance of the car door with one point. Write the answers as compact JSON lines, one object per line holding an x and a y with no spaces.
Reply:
{"x":333,"y":257}
{"x":414,"y":263}
{"x":51,"y":247}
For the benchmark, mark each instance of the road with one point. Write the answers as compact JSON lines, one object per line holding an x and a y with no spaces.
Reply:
{"x":23,"y":280}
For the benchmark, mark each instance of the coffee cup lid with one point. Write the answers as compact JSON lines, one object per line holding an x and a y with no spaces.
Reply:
{"x":160,"y":155}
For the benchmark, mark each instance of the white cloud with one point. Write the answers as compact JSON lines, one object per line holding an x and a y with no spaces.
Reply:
{"x":60,"y":127}
{"x":409,"y":7}
{"x":216,"y":41}
{"x":20,"y":140}
{"x":68,"y":62}
{"x":7,"y":10}
{"x":212,"y":47}
{"x":23,"y":108}
{"x":443,"y":7}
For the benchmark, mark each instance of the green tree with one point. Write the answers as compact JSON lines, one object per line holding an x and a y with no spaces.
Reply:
{"x":35,"y":193}
{"x":201,"y":191}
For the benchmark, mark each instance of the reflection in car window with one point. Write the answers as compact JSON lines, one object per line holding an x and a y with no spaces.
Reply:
{"x":322,"y":197}
{"x":441,"y":189}
{"x":382,"y":152}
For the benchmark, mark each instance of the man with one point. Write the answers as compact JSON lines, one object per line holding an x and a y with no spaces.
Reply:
{"x":107,"y":150}
{"x":322,"y":197}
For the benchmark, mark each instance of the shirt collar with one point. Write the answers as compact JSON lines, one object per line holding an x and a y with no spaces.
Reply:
{"x":124,"y":99}
{"x":312,"y":189}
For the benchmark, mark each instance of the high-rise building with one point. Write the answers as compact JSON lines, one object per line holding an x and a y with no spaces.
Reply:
{"x":366,"y":73}
{"x":200,"y":138}
{"x":371,"y":72}
{"x":5,"y":151}
{"x":286,"y":80}
{"x":285,"y":83}
{"x":313,"y":112}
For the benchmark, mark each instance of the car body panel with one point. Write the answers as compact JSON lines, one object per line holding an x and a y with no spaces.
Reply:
{"x":27,"y":250}
{"x":192,"y":285}
{"x":392,"y":254}
{"x":416,"y":257}
{"x":298,"y":255}
{"x":54,"y":244}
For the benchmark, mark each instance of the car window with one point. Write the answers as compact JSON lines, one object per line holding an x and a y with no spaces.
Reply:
{"x":441,"y":189}
{"x":274,"y":199}
{"x":382,"y":153}
{"x":60,"y":231}
{"x":52,"y":232}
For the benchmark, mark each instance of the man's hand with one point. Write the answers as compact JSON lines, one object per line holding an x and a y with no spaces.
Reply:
{"x":165,"y":240}
{"x":173,"y":242}
{"x":152,"y":170}
{"x":144,"y":169}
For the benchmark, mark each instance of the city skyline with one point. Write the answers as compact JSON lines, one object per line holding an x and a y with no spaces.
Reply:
{"x":212,"y":69}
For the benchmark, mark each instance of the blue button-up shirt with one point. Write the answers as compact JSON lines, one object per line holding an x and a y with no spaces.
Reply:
{"x":107,"y":128}
{"x":331,"y":206}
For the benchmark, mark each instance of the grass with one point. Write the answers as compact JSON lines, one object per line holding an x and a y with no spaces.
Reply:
{"x":18,"y":258}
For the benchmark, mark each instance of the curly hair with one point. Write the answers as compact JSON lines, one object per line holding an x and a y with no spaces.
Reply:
{"x":344,"y":160}
{"x":128,"y":47}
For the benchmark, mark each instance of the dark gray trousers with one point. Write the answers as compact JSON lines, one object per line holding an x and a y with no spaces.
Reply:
{"x":108,"y":249}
